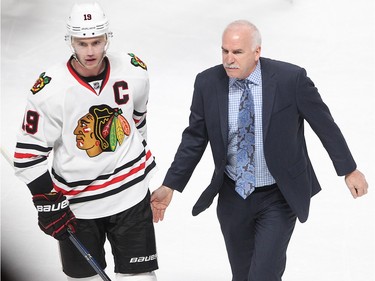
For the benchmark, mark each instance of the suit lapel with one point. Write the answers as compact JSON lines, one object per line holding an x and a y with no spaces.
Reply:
{"x":268,"y":94}
{"x":222,"y":90}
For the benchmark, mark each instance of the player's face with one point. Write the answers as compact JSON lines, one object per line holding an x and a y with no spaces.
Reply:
{"x":90,"y":51}
{"x":238,"y":54}
{"x":85,"y":137}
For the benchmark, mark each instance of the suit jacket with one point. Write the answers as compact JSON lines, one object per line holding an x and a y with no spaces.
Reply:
{"x":289,"y":99}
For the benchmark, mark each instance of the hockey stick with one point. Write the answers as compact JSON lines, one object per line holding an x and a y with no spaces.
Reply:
{"x":87,"y":256}
{"x":72,"y":237}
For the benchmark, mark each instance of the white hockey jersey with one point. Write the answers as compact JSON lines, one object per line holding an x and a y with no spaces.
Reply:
{"x":97,"y":133}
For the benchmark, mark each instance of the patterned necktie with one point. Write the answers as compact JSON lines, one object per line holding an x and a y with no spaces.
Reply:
{"x":245,"y":182}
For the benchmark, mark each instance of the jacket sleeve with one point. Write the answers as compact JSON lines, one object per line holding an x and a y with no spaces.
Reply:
{"x":316,"y":113}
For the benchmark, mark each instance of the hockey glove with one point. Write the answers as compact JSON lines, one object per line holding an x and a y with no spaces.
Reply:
{"x":54,"y":214}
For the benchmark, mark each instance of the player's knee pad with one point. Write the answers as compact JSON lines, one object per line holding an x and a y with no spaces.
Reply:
{"x":147,"y":276}
{"x":92,"y":278}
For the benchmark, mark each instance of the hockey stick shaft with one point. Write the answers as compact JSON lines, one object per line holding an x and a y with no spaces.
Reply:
{"x":85,"y":253}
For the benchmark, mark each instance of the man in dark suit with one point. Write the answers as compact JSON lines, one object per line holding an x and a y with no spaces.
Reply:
{"x":259,"y":201}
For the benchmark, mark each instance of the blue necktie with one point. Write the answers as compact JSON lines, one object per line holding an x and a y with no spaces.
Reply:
{"x":245,"y":181}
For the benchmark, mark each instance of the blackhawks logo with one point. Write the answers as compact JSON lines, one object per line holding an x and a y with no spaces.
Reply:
{"x":101,"y":130}
{"x":40,"y":83}
{"x":136,"y":61}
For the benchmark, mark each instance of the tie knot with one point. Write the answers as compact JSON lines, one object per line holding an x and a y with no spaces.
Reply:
{"x":243,"y":83}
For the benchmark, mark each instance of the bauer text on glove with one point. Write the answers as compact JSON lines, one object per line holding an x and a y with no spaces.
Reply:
{"x":54,"y":214}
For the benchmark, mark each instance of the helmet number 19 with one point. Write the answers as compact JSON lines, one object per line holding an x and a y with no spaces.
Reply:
{"x":87,"y":17}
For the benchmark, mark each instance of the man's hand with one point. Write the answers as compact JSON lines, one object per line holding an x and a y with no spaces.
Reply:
{"x":160,"y":200}
{"x":356,"y":183}
{"x":54,"y":214}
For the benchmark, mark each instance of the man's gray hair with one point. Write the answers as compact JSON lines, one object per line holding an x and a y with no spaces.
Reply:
{"x":255,"y":34}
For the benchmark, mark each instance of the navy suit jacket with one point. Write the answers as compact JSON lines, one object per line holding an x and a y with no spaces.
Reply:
{"x":289,"y":99}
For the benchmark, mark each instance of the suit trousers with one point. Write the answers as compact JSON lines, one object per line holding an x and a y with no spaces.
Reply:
{"x":256,"y":230}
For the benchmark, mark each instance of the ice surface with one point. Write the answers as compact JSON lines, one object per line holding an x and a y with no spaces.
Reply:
{"x":333,"y":40}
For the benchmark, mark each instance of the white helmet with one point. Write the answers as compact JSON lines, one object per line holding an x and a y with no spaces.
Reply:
{"x":87,"y":20}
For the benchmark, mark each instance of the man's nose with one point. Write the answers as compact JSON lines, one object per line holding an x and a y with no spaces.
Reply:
{"x":90,"y":50}
{"x":229,"y":58}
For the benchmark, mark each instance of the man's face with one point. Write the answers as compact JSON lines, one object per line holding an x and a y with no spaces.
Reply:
{"x":238,"y":53}
{"x":89,"y":51}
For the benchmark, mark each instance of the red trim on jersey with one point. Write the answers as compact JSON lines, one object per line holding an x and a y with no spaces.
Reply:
{"x":24,"y":155}
{"x":83,"y":82}
{"x":120,"y":178}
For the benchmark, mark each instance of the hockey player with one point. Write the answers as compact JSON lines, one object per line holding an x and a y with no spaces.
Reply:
{"x":91,"y":113}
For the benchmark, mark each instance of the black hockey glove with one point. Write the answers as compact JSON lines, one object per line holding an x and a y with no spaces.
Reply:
{"x":54,"y":214}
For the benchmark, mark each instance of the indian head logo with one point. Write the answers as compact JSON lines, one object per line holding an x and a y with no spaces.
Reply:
{"x":40,"y":83}
{"x":101,"y":130}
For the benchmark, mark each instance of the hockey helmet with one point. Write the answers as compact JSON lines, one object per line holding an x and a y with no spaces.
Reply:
{"x":87,"y":20}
